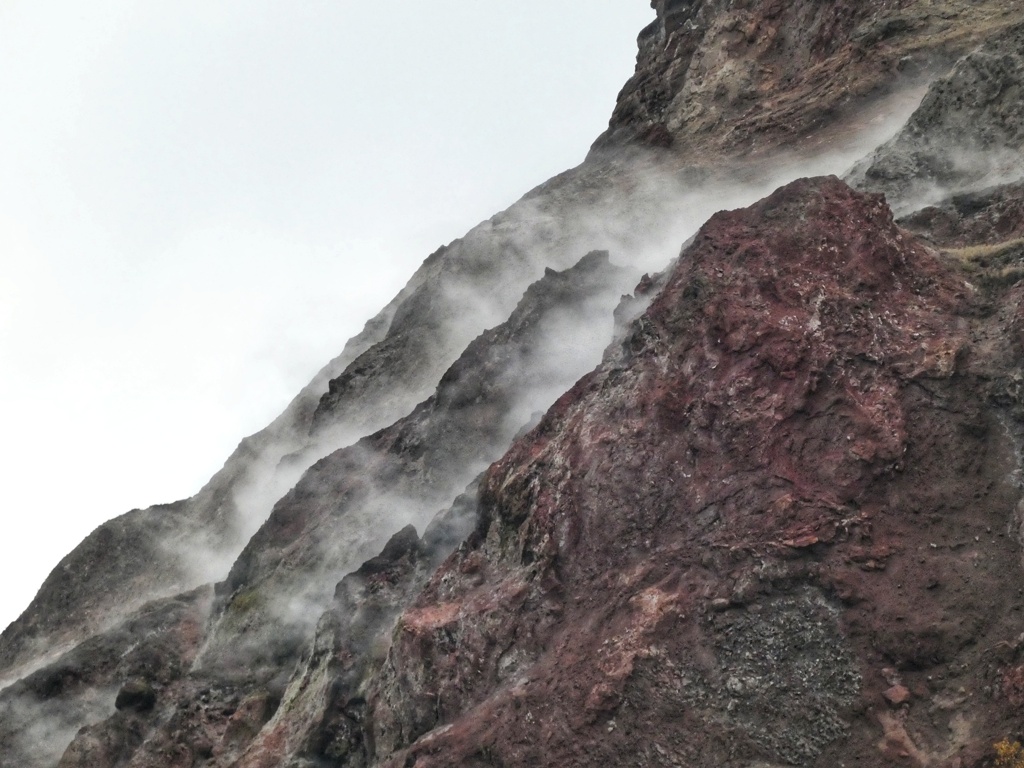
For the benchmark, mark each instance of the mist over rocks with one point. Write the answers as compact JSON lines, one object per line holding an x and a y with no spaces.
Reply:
{"x":722,"y":79}
{"x":345,"y":507}
{"x":967,"y":134}
{"x":394,"y":364}
{"x":988,"y":217}
{"x":729,"y":452}
{"x":760,"y":506}
{"x":41,"y":714}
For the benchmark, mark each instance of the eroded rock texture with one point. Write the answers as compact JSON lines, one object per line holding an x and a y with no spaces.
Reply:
{"x":345,"y":507}
{"x":791,"y":492}
{"x":989,"y":217}
{"x":764,"y":510}
{"x":967,"y":134}
{"x":732,"y":77}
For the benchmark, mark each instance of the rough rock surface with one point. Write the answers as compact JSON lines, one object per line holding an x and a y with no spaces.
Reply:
{"x":322,"y":718}
{"x":988,"y":217}
{"x":794,"y":489}
{"x":345,"y":506}
{"x":337,"y":516}
{"x":778,"y":524}
{"x":729,"y":77}
{"x":967,"y":134}
{"x":132,"y":664}
{"x":468,"y":286}
{"x":165,"y":549}
{"x":773,"y":528}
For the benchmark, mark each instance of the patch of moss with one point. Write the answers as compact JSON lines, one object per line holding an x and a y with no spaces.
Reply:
{"x":992,"y":266}
{"x":983,"y":255}
{"x":245,"y":602}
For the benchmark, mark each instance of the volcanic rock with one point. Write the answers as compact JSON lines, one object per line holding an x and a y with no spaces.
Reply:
{"x":989,"y":217}
{"x":341,"y":512}
{"x":722,"y":78}
{"x":783,"y":499}
{"x":286,"y":577}
{"x":809,"y":369}
{"x":460,"y":291}
{"x":120,"y":669}
{"x":967,"y":134}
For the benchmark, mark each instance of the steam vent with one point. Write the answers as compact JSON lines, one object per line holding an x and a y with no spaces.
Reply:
{"x":761,"y":508}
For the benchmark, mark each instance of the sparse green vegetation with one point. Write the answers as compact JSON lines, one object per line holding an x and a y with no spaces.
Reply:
{"x":979,"y":252}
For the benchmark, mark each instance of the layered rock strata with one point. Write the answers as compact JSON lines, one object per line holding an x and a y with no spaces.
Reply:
{"x":721,"y":79}
{"x":777,"y":521}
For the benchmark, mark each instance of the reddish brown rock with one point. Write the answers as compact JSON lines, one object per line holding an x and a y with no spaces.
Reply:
{"x":812,"y":392}
{"x":721,"y":78}
{"x":798,"y":464}
{"x":897,"y":695}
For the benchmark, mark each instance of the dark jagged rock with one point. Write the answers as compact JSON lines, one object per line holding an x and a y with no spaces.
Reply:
{"x":461,"y":290}
{"x":285,"y":579}
{"x":168,"y":548}
{"x":136,"y":694}
{"x":967,"y":134}
{"x":799,"y":430}
{"x":728,"y":77}
{"x":779,"y":524}
{"x":988,"y":217}
{"x":118,"y":669}
{"x":346,"y":505}
{"x":351,"y":643}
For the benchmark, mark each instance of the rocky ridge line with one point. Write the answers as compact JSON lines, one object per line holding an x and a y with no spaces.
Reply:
{"x":722,"y":79}
{"x":547,"y":638}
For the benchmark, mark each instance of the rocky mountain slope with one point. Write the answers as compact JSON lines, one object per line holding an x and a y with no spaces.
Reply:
{"x":725,"y":79}
{"x":763,"y":510}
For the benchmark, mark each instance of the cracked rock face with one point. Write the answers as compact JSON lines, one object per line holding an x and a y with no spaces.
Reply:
{"x":793,"y":486}
{"x":967,"y":135}
{"x":764,"y":510}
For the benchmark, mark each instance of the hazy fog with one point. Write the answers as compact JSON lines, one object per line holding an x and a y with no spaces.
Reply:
{"x":201,"y":201}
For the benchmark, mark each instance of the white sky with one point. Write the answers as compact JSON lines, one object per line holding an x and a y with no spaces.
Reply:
{"x":201,"y":200}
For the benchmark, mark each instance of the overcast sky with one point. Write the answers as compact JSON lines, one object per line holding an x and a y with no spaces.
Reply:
{"x":201,"y":200}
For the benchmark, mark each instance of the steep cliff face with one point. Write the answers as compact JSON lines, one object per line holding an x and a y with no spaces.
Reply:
{"x":774,"y":529}
{"x":339,"y":514}
{"x":345,"y":507}
{"x":166,"y":549}
{"x":765,"y":510}
{"x":967,"y":134}
{"x":732,"y":77}
{"x":464,"y":288}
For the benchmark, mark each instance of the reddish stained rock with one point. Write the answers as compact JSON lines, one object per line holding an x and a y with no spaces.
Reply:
{"x":809,"y":400}
{"x":897,"y":695}
{"x":800,"y":467}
